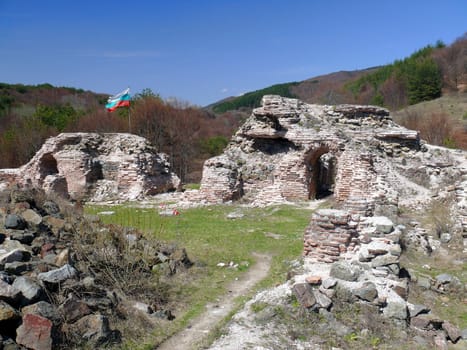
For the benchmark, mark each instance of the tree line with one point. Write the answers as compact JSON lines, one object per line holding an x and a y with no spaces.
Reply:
{"x":188,"y":134}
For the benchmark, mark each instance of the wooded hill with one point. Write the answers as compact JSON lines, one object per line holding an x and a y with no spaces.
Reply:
{"x":189,"y":135}
{"x":423,"y":76}
{"x":30,"y":114}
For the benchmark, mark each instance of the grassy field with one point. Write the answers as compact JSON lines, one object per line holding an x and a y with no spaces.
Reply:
{"x":211,"y":237}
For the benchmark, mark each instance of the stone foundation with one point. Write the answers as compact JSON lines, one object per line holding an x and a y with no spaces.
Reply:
{"x":330,"y":235}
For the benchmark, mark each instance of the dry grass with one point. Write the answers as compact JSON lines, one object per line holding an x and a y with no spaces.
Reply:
{"x":441,"y":121}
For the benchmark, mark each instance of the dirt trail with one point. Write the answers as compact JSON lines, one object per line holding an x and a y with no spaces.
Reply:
{"x":215,"y":312}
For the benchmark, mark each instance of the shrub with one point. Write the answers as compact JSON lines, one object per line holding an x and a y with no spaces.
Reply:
{"x":436,"y":128}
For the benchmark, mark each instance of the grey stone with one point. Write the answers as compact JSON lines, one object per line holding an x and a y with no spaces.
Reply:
{"x":93,"y":328}
{"x":8,"y":292}
{"x":8,"y":313}
{"x":304,"y":294}
{"x":15,"y":221}
{"x":29,"y":288}
{"x":31,"y":217}
{"x":417,"y":309}
{"x":382,"y":224}
{"x":344,"y":292}
{"x":395,"y":249}
{"x":167,"y":314}
{"x":58,"y":275}
{"x":452,"y":331}
{"x":396,"y":309}
{"x":394,"y":269}
{"x":445,"y":237}
{"x":235,"y":215}
{"x":329,"y":283}
{"x":440,"y":341}
{"x":424,"y":282}
{"x":444,"y":278}
{"x":421,"y":341}
{"x":51,"y":208}
{"x":44,"y":309}
{"x":14,"y":255}
{"x":143,"y":307}
{"x":384,"y":260}
{"x":345,"y":271}
{"x":18,"y":267}
{"x":367,"y":291}
{"x":329,"y":292}
{"x":25,"y":237}
{"x":322,"y":300}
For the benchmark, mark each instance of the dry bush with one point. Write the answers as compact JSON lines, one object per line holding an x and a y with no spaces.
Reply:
{"x":119,"y":259}
{"x":436,"y":128}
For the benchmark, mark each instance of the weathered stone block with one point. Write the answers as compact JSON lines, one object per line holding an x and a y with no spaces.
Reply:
{"x":35,"y":332}
{"x":15,"y":222}
{"x":58,"y":275}
{"x":345,"y":271}
{"x":367,"y":291}
{"x":452,"y":331}
{"x":304,"y":294}
{"x":31,"y":291}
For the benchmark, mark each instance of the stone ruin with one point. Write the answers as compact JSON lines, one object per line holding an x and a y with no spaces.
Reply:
{"x":288,"y":150}
{"x":96,"y":167}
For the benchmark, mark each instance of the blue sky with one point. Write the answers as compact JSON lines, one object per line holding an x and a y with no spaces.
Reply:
{"x":201,"y":51}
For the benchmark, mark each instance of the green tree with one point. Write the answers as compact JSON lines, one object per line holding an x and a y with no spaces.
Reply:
{"x":58,"y":117}
{"x":214,"y":145}
{"x":424,"y":81}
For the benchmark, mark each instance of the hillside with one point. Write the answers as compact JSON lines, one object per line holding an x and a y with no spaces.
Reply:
{"x":428,"y":87}
{"x":31,"y":114}
{"x":426,"y":74}
{"x":442,"y":121}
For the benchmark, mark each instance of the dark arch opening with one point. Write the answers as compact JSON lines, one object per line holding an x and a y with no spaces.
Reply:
{"x":325,"y":175}
{"x":320,"y":175}
{"x":48,"y":165}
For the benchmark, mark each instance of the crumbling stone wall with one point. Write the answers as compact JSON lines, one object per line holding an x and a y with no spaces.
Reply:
{"x":330,"y":234}
{"x":355,"y":181}
{"x":97,"y":167}
{"x":288,"y":150}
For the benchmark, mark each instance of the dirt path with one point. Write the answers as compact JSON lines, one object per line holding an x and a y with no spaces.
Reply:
{"x":215,"y":312}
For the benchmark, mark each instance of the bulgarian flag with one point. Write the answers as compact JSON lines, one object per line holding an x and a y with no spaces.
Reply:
{"x":119,"y":100}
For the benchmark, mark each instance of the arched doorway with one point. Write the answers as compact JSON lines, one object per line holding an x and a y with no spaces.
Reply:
{"x":321,"y":172}
{"x":47,"y":165}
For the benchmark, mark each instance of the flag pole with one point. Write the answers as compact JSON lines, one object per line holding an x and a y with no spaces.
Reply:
{"x":129,"y":119}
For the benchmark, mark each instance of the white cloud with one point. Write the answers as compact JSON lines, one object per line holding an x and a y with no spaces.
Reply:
{"x":224,"y":90}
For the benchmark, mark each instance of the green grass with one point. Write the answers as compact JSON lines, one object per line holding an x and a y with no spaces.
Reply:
{"x":210,"y":238}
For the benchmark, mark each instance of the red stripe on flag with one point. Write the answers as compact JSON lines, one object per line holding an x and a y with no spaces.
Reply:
{"x":124,"y":103}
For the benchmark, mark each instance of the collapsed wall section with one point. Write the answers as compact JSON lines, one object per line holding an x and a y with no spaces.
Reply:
{"x":93,"y":166}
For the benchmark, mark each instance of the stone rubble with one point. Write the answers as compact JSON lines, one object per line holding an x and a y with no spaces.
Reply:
{"x":49,"y":297}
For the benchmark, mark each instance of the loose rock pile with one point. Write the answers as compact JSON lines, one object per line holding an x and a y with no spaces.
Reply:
{"x":60,"y":287}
